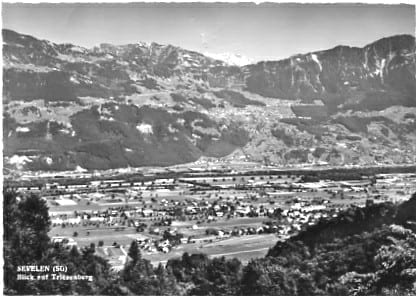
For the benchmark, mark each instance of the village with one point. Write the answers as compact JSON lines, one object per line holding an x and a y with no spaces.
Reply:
{"x":232,"y":215}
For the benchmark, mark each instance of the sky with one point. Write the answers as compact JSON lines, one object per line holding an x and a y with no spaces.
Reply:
{"x":261,"y":32}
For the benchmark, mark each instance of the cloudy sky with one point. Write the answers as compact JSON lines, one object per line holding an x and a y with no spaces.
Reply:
{"x":266,"y":31}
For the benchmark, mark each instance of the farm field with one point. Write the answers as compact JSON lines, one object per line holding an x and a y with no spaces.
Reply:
{"x":123,"y":235}
{"x":243,"y":248}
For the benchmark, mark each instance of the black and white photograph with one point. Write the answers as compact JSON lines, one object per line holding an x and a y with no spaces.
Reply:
{"x":209,"y":148}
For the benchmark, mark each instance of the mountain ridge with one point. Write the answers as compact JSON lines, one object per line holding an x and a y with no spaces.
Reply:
{"x":142,"y":43}
{"x":143,"y":95}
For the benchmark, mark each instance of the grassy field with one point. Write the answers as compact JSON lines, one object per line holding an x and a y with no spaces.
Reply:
{"x":244,"y":248}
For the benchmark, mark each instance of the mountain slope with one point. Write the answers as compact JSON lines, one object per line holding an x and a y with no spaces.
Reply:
{"x":150,"y":104}
{"x":374,"y":77}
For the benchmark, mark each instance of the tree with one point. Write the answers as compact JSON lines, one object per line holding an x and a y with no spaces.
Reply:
{"x":26,"y":226}
{"x":167,"y":284}
{"x":26,"y":240}
{"x":134,"y":252}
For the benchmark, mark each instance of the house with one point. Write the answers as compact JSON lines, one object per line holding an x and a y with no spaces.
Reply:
{"x":65,"y":241}
{"x":142,"y":239}
{"x":154,"y":231}
{"x":260,"y":229}
{"x":219,"y":214}
{"x":147,"y":212}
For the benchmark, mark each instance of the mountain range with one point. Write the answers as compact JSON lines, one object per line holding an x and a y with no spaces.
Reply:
{"x":143,"y":104}
{"x":231,"y":59}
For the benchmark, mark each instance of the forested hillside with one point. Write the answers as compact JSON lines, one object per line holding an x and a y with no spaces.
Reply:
{"x":363,"y":251}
